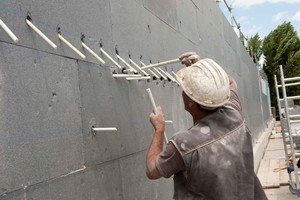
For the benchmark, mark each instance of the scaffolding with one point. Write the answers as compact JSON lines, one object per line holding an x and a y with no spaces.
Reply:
{"x":290,"y":124}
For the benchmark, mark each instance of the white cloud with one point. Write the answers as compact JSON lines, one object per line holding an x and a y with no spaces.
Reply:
{"x":243,"y":20}
{"x":252,"y":31}
{"x":248,"y":3}
{"x":280,"y":17}
{"x":296,"y":17}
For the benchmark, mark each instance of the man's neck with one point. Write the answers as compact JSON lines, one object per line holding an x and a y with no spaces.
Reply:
{"x":200,"y":115}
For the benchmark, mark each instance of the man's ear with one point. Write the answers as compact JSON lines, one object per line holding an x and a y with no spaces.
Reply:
{"x":191,"y":103}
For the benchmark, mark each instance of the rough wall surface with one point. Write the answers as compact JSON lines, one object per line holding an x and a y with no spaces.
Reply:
{"x":50,"y":99}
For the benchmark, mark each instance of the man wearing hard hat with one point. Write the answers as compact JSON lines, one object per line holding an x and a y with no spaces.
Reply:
{"x":212,"y":160}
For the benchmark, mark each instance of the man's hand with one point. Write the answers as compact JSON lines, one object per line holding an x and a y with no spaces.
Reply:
{"x":189,"y":58}
{"x":158,"y":120}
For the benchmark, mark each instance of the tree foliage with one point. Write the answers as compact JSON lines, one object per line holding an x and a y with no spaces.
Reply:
{"x":282,"y":47}
{"x":255,"y":47}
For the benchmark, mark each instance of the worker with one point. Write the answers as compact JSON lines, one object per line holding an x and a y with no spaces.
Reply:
{"x":213,"y":159}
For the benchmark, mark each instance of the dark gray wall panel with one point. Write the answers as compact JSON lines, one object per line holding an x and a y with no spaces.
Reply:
{"x":92,"y":18}
{"x":49,"y":100}
{"x":135,"y":183}
{"x":40,"y":117}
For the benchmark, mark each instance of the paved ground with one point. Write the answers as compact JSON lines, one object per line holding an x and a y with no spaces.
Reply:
{"x":275,"y":182}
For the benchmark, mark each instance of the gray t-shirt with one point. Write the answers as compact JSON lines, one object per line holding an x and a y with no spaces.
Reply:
{"x":170,"y":162}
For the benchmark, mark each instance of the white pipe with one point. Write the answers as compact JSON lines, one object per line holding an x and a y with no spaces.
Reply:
{"x":105,"y":129}
{"x":128,"y":70}
{"x":126,"y":75}
{"x":92,"y":52}
{"x":168,"y":121}
{"x":110,"y":58}
{"x":150,"y":70}
{"x":138,"y":67}
{"x":154,"y":108}
{"x":162,"y":63}
{"x":41,"y":34}
{"x":129,"y":66}
{"x":167,"y":74}
{"x":95,"y":130}
{"x":170,"y":76}
{"x":176,"y":77}
{"x":8,"y":31}
{"x":71,"y":46}
{"x":160,"y":73}
{"x":138,"y":78}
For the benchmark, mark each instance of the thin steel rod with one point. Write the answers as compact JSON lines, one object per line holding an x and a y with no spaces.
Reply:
{"x":154,"y":109}
{"x":42,"y":35}
{"x":168,"y":75}
{"x":95,"y":130}
{"x":138,"y":78}
{"x":154,"y":74}
{"x":105,"y":129}
{"x":157,"y":71}
{"x":8,"y":31}
{"x":129,"y":66}
{"x":92,"y":52}
{"x":126,"y":75}
{"x":71,"y":46}
{"x":138,"y":67}
{"x":175,"y":77}
{"x":110,"y":58}
{"x":162,"y":63}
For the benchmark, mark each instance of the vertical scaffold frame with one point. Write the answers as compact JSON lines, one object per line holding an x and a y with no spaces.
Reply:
{"x":285,"y":118}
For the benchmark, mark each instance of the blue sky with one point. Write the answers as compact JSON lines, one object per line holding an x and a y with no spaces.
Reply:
{"x":263,"y":16}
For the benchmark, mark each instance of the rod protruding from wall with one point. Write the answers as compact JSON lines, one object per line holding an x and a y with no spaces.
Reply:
{"x":110,"y":58}
{"x":127,"y":75}
{"x":138,"y":78}
{"x":69,"y":44}
{"x":154,"y":109}
{"x":154,"y":74}
{"x":95,"y":130}
{"x":162,"y":75}
{"x":8,"y":31}
{"x":138,"y":67}
{"x":123,"y":61}
{"x":40,"y":33}
{"x":176,"y":77}
{"x":162,"y":63}
{"x":90,"y":50}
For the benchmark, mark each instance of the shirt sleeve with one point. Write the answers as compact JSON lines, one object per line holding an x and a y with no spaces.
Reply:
{"x":169,"y":161}
{"x":234,"y":99}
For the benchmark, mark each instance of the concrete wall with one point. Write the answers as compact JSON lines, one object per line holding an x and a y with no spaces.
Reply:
{"x":49,"y":99}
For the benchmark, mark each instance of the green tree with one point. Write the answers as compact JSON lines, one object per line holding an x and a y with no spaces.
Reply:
{"x":281,"y":47}
{"x":255,"y":47}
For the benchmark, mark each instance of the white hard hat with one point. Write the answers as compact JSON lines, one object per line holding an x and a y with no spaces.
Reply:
{"x":206,"y":83}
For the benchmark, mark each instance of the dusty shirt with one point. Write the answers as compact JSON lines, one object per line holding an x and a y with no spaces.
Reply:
{"x":213,"y":159}
{"x":170,"y":162}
